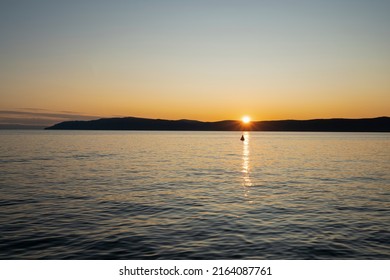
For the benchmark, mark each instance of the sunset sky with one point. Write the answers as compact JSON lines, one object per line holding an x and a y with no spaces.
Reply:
{"x":205,"y":60}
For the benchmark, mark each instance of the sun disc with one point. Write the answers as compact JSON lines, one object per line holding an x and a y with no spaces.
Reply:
{"x":246,"y":119}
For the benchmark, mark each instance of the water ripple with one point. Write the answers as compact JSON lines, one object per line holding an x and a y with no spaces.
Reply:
{"x":194,"y":195}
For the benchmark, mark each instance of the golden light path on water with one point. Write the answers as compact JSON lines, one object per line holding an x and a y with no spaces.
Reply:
{"x":246,"y":182}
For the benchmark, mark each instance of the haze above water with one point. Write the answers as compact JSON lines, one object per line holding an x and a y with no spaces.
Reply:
{"x":194,"y":195}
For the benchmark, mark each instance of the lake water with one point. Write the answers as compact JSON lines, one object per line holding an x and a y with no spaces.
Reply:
{"x":194,"y":195}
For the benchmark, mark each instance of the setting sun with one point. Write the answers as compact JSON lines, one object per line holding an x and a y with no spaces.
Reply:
{"x":246,"y":119}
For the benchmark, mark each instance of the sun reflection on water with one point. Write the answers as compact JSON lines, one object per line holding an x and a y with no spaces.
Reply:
{"x":245,"y":168}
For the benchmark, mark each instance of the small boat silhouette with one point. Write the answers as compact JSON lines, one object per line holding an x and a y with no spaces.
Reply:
{"x":242,"y":138}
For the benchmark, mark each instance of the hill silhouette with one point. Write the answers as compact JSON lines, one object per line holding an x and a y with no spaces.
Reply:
{"x":381,"y":124}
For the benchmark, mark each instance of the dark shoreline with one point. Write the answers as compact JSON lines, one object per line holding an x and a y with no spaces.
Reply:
{"x":380,"y":124}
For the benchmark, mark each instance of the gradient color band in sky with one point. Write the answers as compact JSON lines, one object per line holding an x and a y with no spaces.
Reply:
{"x":206,"y":60}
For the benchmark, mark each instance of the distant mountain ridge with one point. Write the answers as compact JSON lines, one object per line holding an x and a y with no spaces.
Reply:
{"x":380,"y":124}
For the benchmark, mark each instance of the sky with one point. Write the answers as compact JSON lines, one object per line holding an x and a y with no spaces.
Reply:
{"x":206,"y":60}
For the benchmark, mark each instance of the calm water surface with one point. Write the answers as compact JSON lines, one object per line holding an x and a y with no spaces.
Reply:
{"x":194,"y":195}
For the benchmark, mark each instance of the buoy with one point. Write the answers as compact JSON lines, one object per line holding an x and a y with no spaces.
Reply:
{"x":242,"y":138}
